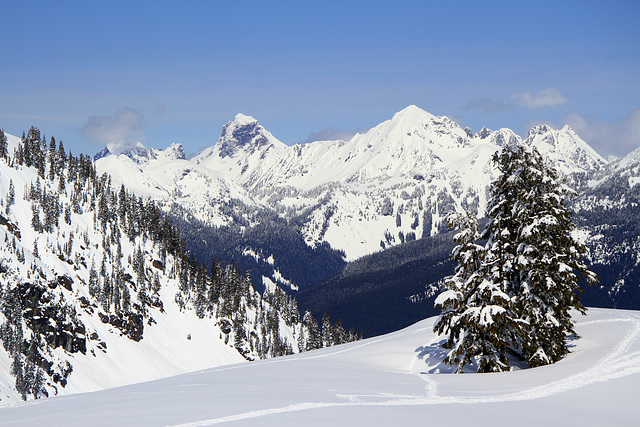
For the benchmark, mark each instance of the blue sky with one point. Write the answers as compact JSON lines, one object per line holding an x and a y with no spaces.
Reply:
{"x":161,"y":72}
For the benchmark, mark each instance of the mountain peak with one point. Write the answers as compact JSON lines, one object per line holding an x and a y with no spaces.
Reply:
{"x":569,"y":152}
{"x":136,"y":152}
{"x":540,"y":129}
{"x":243,"y":119}
{"x":172,"y":152}
{"x":484,"y":132}
{"x":412,"y":113}
{"x":411,"y":109}
{"x":244,"y":133}
{"x":413,"y":119}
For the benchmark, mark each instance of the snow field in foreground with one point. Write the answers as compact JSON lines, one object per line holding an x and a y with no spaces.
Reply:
{"x":379,"y":381}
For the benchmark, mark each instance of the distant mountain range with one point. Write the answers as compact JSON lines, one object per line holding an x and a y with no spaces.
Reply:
{"x":392,"y":184}
{"x":274,"y":208}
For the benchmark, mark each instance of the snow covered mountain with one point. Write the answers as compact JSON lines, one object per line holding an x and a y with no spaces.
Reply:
{"x":396,"y":287}
{"x":412,"y":142}
{"x":97,"y":289}
{"x":167,"y":177}
{"x":388,"y":185}
{"x":241,"y":148}
{"x":565,"y":149}
{"x":396,"y":379}
{"x":609,"y":208}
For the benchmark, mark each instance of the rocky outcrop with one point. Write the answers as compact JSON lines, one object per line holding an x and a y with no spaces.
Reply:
{"x":129,"y":323}
{"x":53,"y":319}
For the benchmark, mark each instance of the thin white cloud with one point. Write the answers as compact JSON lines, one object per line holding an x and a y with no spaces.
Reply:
{"x":544,"y":98}
{"x":487,"y":105}
{"x":122,"y":129}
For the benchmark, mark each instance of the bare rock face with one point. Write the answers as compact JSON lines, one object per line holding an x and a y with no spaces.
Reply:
{"x":129,"y":323}
{"x":244,"y":133}
{"x":54,"y":320}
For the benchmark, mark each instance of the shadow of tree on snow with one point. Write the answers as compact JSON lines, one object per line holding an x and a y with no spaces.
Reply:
{"x":433,"y":354}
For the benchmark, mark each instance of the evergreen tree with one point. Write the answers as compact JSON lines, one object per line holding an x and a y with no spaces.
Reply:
{"x":122,"y":205}
{"x":38,"y":383}
{"x":39,"y":153}
{"x":515,"y":292}
{"x":239,"y":334}
{"x":35,"y":218}
{"x":67,"y":215}
{"x":117,"y":296}
{"x":312,"y":332}
{"x":155,"y":285}
{"x":4,"y":148}
{"x":17,"y":370}
{"x":31,"y":146}
{"x":71,"y":169}
{"x":61,"y":183}
{"x":215,"y":278}
{"x":11,"y":196}
{"x":353,"y":335}
{"x":103,"y":211}
{"x":339,"y":334}
{"x":327,"y":330}
{"x":107,"y":293}
{"x":94,"y":281}
{"x":53,"y":166}
{"x":200,"y":301}
{"x":36,"y":254}
{"x":61,"y":156}
{"x":543,"y":256}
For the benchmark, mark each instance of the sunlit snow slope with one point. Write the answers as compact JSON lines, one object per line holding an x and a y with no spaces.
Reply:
{"x":394,"y":379}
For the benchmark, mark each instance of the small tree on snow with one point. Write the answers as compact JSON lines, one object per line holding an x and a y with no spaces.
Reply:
{"x":327,"y":330}
{"x":312,"y":332}
{"x":4,"y":150}
{"x":11,"y":196}
{"x":515,"y":292}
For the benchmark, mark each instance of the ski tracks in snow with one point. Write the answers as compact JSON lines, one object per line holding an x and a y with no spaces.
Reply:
{"x":620,"y":362}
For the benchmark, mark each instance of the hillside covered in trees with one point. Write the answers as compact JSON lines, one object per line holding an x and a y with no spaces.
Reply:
{"x":96,"y":279}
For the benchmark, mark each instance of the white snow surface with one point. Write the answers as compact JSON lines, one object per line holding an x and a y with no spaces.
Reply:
{"x":395,"y":379}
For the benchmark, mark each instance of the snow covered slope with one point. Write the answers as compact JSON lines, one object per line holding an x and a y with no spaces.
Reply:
{"x":394,"y":379}
{"x":98,"y":352}
{"x":628,"y":167}
{"x":393,"y":183}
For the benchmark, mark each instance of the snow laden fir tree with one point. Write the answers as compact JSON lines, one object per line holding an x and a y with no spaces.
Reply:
{"x":517,"y":280}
